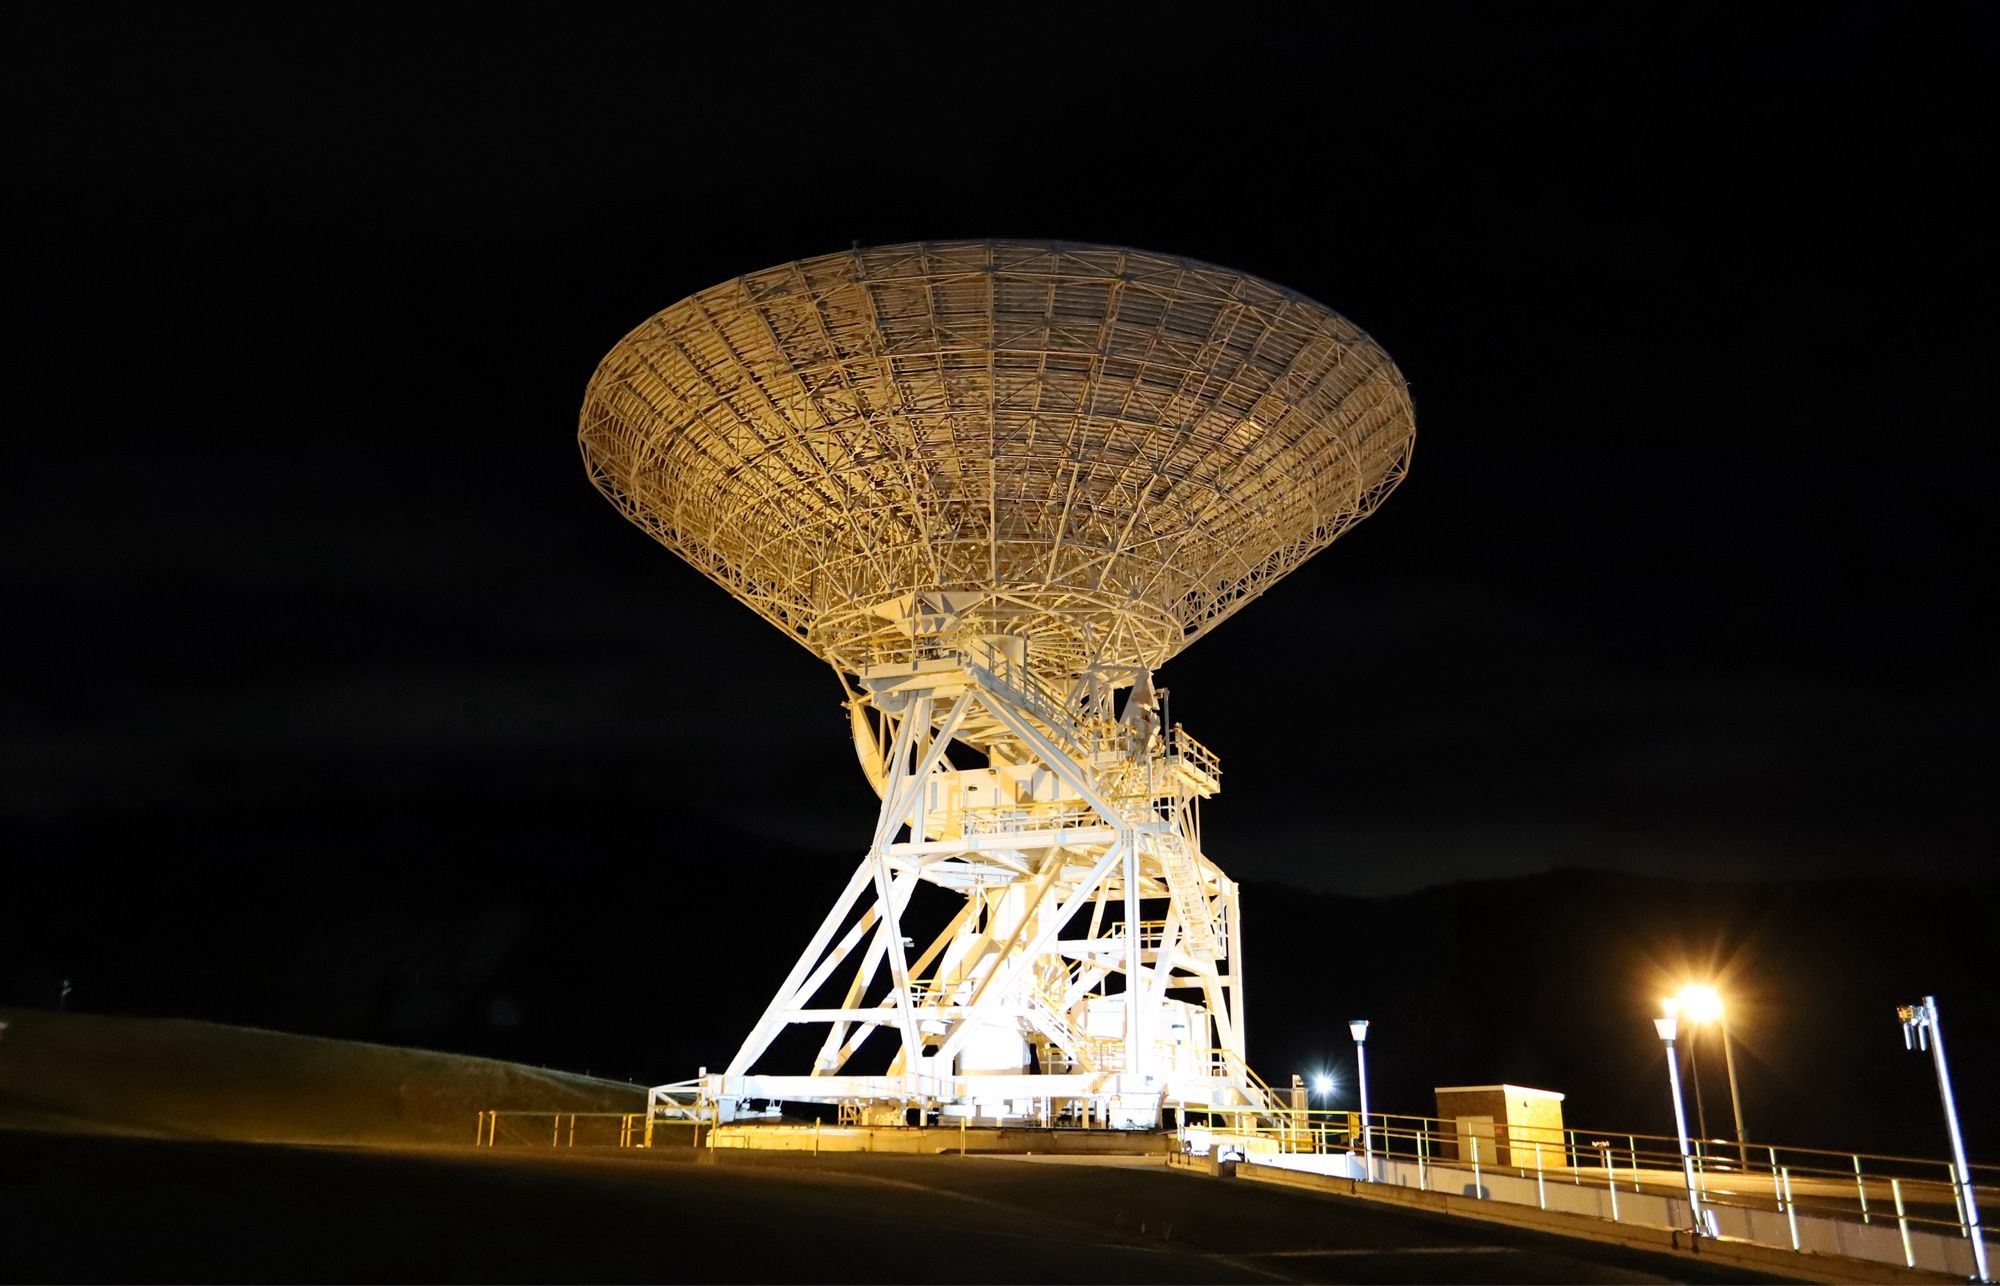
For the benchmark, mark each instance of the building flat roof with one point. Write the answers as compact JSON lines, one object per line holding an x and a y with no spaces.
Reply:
{"x":1487,"y":1089}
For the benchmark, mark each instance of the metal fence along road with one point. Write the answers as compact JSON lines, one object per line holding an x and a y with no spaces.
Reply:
{"x":1889,"y":1209}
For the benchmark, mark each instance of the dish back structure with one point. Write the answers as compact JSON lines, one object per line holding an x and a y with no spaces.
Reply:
{"x":995,"y":484}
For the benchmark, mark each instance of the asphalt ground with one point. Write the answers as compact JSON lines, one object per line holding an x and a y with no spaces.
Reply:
{"x":104,"y":1208}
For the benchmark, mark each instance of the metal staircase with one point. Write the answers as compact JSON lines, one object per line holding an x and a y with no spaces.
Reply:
{"x":1190,"y":897}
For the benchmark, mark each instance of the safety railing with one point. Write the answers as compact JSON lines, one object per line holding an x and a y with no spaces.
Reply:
{"x":1260,"y":1115}
{"x":1109,"y":1055}
{"x":1910,"y":1194}
{"x":501,"y":1128}
{"x":679,"y":1106}
{"x":1151,"y":934}
{"x":928,"y":991}
{"x":542,"y":1129}
{"x":949,"y":816}
{"x":1185,"y":748}
{"x":999,"y":819}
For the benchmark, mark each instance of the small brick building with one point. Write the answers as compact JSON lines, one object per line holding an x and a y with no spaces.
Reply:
{"x":1508,"y":1120}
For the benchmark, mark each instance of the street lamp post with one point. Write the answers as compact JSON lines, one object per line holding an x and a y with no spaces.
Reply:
{"x":1704,"y":1005}
{"x":1735,"y":1099}
{"x":1921,"y":1021}
{"x":1694,"y":1074}
{"x":1359,"y":1030}
{"x":1666,"y":1026}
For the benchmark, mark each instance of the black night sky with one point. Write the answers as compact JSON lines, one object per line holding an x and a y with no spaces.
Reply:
{"x":312,"y":612}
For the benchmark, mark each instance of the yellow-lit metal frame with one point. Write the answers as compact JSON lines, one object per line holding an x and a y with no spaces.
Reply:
{"x":1101,"y":450}
{"x":995,"y":484}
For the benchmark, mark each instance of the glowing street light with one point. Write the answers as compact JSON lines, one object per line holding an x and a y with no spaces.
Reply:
{"x":1323,"y":1086}
{"x":1702,"y":1004}
{"x":1359,"y":1030}
{"x":1666,"y":1027}
{"x":1921,"y":1023}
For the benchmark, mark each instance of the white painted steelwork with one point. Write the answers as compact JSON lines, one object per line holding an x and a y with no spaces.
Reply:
{"x":995,"y":484}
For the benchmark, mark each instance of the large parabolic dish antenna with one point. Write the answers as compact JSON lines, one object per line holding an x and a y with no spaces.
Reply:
{"x":995,"y":484}
{"x":1102,"y":450}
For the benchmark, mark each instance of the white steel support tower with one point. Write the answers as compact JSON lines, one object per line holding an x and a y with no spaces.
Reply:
{"x":1089,"y":973}
{"x":996,"y":485}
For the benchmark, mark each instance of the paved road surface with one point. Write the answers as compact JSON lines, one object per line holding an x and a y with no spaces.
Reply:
{"x":84,"y":1208}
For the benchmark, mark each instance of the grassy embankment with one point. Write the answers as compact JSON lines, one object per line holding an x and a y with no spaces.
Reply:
{"x":171,"y":1078}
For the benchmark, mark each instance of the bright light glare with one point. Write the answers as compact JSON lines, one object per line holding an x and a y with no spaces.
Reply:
{"x":1671,"y":1006}
{"x":1322,"y":1084}
{"x":1701,"y":1003}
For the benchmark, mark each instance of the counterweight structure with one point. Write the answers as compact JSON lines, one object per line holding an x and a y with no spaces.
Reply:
{"x":995,"y":485}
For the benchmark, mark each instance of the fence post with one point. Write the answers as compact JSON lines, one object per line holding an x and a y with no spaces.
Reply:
{"x":1478,"y":1189}
{"x":1957,"y":1197}
{"x":1861,"y":1188}
{"x":1902,"y":1223}
{"x":1575,"y":1174}
{"x":1791,"y":1215}
{"x":479,"y":1131}
{"x":555,"y":1130}
{"x":1423,"y":1154}
{"x":1541,"y":1192}
{"x":1774,"y":1178}
{"x":1632,"y":1150}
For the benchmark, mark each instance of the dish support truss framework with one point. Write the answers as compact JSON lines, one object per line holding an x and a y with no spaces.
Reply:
{"x":1022,"y":1008}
